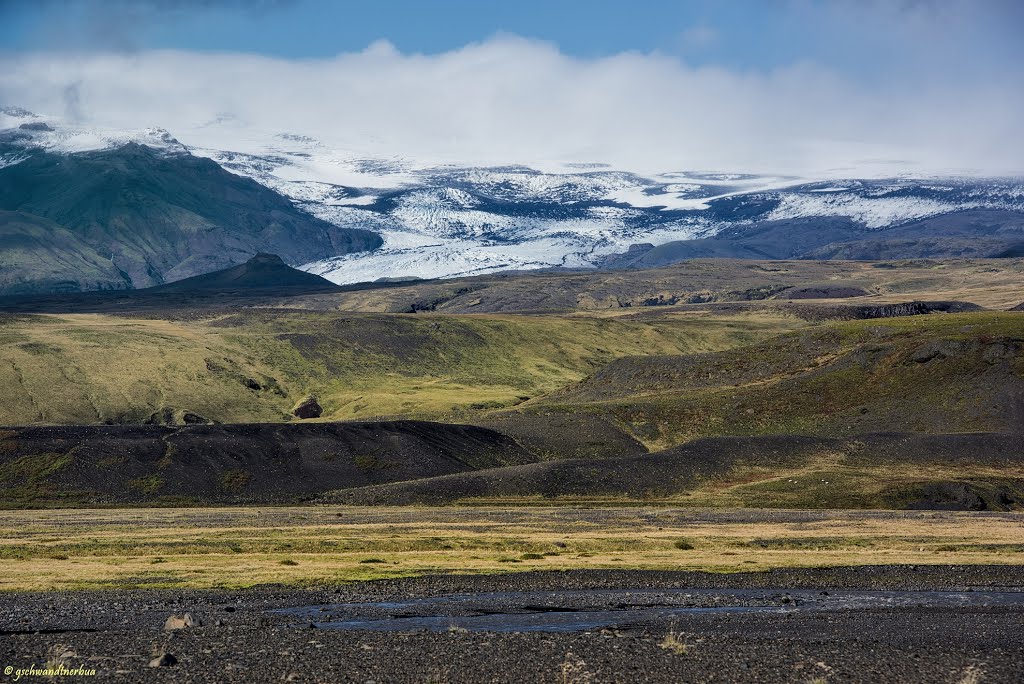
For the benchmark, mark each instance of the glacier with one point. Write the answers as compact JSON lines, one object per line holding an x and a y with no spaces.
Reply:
{"x":441,"y":219}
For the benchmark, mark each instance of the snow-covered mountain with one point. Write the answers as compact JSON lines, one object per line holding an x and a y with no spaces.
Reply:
{"x":444,"y":220}
{"x":447,"y":221}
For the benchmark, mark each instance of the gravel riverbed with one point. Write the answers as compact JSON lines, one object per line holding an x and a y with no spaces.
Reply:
{"x":958,"y":624}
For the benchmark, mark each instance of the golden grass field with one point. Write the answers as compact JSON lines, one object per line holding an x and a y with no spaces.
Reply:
{"x":245,"y":547}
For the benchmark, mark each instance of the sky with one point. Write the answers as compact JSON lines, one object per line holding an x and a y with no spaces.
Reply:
{"x":788,"y":86}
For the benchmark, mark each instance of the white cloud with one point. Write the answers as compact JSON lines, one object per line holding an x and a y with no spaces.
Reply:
{"x":512,"y":100}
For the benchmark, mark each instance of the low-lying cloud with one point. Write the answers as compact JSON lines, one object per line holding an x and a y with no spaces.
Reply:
{"x":513,"y":100}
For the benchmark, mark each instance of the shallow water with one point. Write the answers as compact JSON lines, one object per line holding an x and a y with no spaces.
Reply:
{"x":571,"y":611}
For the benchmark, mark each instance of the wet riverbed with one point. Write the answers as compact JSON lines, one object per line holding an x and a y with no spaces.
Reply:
{"x":576,"y":611}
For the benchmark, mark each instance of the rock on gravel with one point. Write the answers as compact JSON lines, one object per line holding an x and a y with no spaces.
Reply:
{"x":163,"y":660}
{"x":176,"y":622}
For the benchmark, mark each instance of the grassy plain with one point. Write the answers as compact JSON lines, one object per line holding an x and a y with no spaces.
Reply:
{"x":245,"y":547}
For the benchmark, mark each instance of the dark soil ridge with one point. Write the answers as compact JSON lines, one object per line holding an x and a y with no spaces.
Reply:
{"x":820,"y":311}
{"x":847,"y":312}
{"x":683,"y":284}
{"x":251,"y":463}
{"x":263,"y":279}
{"x":683,"y":468}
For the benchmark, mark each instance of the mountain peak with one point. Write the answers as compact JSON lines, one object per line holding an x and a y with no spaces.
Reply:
{"x":263,"y":271}
{"x":17,"y":112}
{"x":266,"y":259}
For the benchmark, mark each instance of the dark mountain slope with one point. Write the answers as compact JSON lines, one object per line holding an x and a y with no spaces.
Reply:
{"x":761,"y":240}
{"x":39,"y":255}
{"x":971,"y":233}
{"x":162,"y":217}
{"x":262,"y":272}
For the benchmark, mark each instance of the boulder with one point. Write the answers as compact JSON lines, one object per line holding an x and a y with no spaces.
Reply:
{"x":308,"y":408}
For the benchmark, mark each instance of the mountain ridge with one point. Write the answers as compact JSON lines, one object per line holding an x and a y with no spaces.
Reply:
{"x":157,"y":217}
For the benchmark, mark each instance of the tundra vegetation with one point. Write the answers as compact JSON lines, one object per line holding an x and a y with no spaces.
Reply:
{"x":701,"y":385}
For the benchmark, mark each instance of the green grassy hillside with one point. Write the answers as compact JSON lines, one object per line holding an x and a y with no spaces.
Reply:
{"x":803,"y":401}
{"x":39,"y":255}
{"x":933,"y":374}
{"x":254,"y":366}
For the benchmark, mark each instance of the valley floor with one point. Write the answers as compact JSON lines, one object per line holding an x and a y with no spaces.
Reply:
{"x":644,"y":479}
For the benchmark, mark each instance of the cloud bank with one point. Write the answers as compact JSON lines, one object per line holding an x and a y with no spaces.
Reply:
{"x":513,"y":100}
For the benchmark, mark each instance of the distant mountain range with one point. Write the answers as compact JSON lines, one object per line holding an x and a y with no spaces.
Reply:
{"x":85,"y":208}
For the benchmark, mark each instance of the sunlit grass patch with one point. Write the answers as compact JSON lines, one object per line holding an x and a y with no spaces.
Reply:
{"x":244,"y":547}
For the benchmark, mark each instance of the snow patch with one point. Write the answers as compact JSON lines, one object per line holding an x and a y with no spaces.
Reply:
{"x":873,"y":211}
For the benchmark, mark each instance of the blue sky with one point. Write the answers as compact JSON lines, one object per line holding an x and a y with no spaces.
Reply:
{"x":721,"y":84}
{"x":320,"y":28}
{"x":859,"y":37}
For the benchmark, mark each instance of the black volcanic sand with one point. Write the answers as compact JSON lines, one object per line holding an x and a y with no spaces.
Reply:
{"x":242,"y":639}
